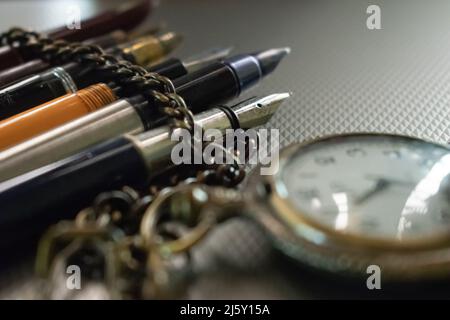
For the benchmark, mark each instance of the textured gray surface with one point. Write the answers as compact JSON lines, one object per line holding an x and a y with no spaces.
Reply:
{"x":345,"y":78}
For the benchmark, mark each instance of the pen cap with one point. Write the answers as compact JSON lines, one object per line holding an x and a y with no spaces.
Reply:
{"x":171,"y":68}
{"x":149,"y":49}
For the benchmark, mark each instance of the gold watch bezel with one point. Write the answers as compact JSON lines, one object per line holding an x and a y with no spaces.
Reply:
{"x":293,"y":227}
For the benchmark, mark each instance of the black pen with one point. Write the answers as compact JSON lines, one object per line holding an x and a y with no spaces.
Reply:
{"x":31,"y":67}
{"x":174,"y":67}
{"x":228,"y":78}
{"x":35,"y":90}
{"x":130,"y":116}
{"x":32,"y":201}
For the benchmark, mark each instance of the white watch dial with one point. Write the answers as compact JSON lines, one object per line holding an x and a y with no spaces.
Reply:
{"x":375,"y":186}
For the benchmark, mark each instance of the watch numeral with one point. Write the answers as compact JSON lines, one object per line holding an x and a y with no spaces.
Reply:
{"x":308,"y":193}
{"x":324,"y":161}
{"x":356,"y":152}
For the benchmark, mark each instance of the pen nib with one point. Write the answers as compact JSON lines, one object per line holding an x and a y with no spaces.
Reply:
{"x":269,"y":59}
{"x":259,"y":111}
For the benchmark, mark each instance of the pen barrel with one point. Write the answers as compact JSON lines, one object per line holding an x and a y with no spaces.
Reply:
{"x":9,"y":57}
{"x":10,"y":75}
{"x":114,"y":120}
{"x":34,"y":66}
{"x":213,"y":84}
{"x":27,"y":93}
{"x":53,"y":113}
{"x":60,"y":190}
{"x":171,"y":68}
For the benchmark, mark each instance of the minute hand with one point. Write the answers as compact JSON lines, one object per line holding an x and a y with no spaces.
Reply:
{"x":381,"y":185}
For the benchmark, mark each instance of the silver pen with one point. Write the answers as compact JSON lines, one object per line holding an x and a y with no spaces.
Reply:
{"x":126,"y":160}
{"x":214,"y":83}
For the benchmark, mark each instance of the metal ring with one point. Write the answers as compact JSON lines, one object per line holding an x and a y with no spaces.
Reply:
{"x":153,"y":214}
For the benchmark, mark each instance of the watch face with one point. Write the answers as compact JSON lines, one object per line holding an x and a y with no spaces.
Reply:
{"x":373,"y":186}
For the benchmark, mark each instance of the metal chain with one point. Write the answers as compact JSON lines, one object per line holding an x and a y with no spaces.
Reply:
{"x":111,"y":225}
{"x":158,"y":89}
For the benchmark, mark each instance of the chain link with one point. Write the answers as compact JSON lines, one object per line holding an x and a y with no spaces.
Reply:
{"x":158,"y":89}
{"x":134,"y":266}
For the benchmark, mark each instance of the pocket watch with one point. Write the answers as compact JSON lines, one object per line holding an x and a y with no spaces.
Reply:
{"x":344,"y":203}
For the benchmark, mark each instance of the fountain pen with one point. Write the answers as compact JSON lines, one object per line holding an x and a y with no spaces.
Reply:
{"x":71,"y":106}
{"x":37,"y":65}
{"x":232,"y":76}
{"x":33,"y":201}
{"x":174,"y":68}
{"x":135,"y":115}
{"x":35,"y":90}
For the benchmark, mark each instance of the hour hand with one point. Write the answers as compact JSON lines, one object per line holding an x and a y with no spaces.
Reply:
{"x":380,"y":185}
{"x":389,"y":180}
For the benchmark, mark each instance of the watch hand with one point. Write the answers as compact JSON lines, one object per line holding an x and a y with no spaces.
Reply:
{"x":391,"y":181}
{"x":380,"y":185}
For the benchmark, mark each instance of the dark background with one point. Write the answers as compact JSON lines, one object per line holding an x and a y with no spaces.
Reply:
{"x":344,"y":77}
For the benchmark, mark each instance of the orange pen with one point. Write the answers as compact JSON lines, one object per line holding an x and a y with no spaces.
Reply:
{"x":54,"y":113}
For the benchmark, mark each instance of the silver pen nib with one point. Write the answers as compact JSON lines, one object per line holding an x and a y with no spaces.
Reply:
{"x":202,"y":59}
{"x":157,"y":145}
{"x":259,"y":111}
